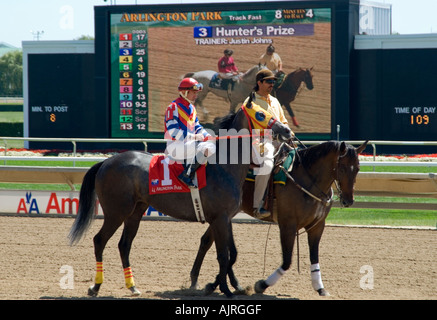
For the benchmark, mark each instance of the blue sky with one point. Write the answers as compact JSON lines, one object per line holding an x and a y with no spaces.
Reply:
{"x":69,"y":19}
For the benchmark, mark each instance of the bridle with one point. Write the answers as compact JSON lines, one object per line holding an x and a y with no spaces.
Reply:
{"x":326,"y":200}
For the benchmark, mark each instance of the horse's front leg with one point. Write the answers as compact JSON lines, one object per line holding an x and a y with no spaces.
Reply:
{"x":314,"y":236}
{"x":232,"y":259}
{"x":288,"y":234}
{"x":291,"y":113}
{"x":222,"y":233}
{"x":205,"y":244}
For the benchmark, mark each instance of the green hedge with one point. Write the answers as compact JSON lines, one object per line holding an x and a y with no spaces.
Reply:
{"x":11,"y":129}
{"x":11,"y":107}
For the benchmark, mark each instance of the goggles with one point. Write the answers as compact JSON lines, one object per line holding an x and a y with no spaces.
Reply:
{"x":197,"y":87}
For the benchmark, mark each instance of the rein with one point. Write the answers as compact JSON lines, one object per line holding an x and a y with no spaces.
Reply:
{"x":325,"y":202}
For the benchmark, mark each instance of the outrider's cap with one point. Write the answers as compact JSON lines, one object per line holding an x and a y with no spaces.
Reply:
{"x":264,"y":75}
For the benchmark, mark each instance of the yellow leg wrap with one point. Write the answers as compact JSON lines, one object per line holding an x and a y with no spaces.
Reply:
{"x":99,"y":273}
{"x":129,"y":277}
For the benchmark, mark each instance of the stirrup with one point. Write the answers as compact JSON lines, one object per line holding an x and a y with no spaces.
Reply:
{"x":187,"y":180}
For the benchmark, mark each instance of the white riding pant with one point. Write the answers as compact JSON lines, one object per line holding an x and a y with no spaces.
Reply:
{"x":262,"y":174}
{"x":188,"y":150}
{"x":229,"y":75}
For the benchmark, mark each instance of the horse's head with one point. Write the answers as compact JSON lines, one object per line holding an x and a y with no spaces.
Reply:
{"x":347,"y":170}
{"x":308,"y":78}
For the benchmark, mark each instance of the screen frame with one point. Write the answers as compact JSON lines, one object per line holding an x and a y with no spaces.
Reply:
{"x":344,"y":25}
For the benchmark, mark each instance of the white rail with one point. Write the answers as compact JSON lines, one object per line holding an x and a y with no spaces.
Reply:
{"x":74,"y":142}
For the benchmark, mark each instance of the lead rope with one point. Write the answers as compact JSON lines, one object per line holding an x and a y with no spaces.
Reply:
{"x":265,"y":250}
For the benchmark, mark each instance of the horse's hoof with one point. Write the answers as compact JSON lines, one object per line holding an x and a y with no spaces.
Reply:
{"x":260,"y":286}
{"x":194,"y":286}
{"x":134,"y":291}
{"x":243,"y":291}
{"x":93,"y":292}
{"x":209,"y":289}
{"x":322,"y":292}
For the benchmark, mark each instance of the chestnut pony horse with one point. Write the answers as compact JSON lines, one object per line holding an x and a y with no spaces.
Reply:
{"x":303,"y":202}
{"x":287,"y":91}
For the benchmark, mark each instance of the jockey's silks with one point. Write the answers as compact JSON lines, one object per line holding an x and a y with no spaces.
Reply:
{"x":181,"y":120}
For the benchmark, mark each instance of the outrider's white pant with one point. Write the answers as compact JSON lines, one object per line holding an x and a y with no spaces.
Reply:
{"x":262,"y":174}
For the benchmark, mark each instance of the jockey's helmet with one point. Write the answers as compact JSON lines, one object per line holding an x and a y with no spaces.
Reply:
{"x":190,"y":84}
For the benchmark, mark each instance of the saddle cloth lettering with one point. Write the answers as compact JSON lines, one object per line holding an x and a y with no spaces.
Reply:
{"x":163,"y":176}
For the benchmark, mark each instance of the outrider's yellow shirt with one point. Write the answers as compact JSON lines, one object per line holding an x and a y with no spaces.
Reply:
{"x":272,"y":106}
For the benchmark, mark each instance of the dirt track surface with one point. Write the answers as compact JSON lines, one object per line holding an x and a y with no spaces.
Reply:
{"x":174,"y":53}
{"x":33,"y":251}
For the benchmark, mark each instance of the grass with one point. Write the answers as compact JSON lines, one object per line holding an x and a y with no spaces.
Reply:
{"x":11,"y":116}
{"x":350,"y":216}
{"x":406,"y":169}
{"x":36,"y":186}
{"x":40,"y":163}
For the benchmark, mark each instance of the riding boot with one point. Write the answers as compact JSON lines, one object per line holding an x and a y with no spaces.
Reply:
{"x":188,"y":174}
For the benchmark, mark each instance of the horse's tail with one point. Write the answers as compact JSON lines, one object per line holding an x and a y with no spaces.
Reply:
{"x":87,"y":203}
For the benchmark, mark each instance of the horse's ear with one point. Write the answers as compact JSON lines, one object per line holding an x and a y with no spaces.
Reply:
{"x":251,"y":99}
{"x":343,"y":149}
{"x":311,"y":69}
{"x":362,"y":147}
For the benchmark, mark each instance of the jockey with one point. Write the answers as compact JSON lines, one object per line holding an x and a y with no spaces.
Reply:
{"x":226,"y":66}
{"x":187,"y":140}
{"x":271,"y":60}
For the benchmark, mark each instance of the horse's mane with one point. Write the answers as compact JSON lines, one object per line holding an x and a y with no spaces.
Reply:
{"x":309,"y":156}
{"x":255,"y":69}
{"x":225,"y":122}
{"x":299,"y":69}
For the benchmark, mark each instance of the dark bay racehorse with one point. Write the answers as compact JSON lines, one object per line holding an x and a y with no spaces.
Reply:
{"x":289,"y":88}
{"x":303,"y":202}
{"x":121,"y":185}
{"x":237,"y":95}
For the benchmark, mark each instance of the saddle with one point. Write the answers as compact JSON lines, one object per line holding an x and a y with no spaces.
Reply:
{"x":280,"y":75}
{"x":163,"y":176}
{"x":285,"y":158}
{"x":222,"y":84}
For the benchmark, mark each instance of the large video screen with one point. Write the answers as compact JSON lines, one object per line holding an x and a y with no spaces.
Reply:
{"x":151,"y":52}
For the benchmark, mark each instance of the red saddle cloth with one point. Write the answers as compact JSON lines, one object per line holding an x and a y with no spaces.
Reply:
{"x":163,"y":176}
